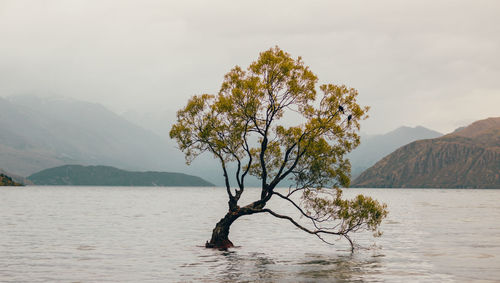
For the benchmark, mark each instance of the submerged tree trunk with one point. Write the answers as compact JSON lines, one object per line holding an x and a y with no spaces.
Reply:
{"x":220,"y":234}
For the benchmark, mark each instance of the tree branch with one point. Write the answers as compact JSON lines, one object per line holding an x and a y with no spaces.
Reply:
{"x":226,"y":177}
{"x":247,"y":149}
{"x":315,"y":232}
{"x":296,"y":206}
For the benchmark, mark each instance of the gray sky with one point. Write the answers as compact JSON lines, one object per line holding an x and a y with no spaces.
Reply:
{"x":431,"y":63}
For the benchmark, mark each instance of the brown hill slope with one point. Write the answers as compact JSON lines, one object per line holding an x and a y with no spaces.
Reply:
{"x":7,"y":181}
{"x":469,"y":158}
{"x":16,"y":178}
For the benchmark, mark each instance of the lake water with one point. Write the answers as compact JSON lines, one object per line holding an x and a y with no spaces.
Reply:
{"x":119,"y":234}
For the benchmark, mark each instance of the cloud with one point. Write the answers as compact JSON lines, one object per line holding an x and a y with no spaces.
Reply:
{"x":410,"y":60}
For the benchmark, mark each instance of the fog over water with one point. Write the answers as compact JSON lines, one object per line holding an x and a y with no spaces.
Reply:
{"x":430,"y":63}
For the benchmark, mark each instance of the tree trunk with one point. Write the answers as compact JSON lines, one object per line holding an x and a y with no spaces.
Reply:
{"x":220,"y":234}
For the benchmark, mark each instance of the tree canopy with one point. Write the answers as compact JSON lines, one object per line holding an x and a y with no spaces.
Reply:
{"x":270,"y":122}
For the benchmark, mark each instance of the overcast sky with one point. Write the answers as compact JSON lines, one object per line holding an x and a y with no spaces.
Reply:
{"x":431,"y":63}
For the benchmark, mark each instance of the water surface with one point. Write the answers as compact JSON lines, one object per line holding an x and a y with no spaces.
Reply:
{"x":123,"y":234}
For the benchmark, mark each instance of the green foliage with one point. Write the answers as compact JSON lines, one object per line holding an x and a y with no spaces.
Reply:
{"x":254,"y":102}
{"x":250,"y":122}
{"x":362,"y":212}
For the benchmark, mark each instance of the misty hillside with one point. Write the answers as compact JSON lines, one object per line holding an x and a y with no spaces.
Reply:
{"x":467,"y":158}
{"x":8,"y":181}
{"x":374,"y":147}
{"x":77,"y":175}
{"x":16,"y":178}
{"x":371,"y":149}
{"x":39,"y":133}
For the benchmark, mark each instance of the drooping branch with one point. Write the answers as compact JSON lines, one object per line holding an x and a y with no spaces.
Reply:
{"x":317,"y":232}
{"x":314,"y":220}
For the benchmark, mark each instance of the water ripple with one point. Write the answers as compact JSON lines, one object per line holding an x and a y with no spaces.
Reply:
{"x":79,"y":234}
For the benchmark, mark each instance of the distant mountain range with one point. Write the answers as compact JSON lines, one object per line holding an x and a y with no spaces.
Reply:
{"x":371,"y":149}
{"x":77,"y":175}
{"x":374,"y":147}
{"x":39,"y":133}
{"x":466,"y":158}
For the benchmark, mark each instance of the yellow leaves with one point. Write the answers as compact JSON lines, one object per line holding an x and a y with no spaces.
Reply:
{"x":196,"y":104}
{"x":252,"y":104}
{"x":245,"y":123}
{"x":361,"y":212}
{"x":223,"y":104}
{"x":279,"y":73}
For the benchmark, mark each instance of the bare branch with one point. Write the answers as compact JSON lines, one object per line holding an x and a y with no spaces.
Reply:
{"x":247,"y":150}
{"x":315,"y":232}
{"x":226,"y":177}
{"x":296,"y":206}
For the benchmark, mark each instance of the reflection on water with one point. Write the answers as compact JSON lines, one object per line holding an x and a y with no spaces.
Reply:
{"x":79,"y":234}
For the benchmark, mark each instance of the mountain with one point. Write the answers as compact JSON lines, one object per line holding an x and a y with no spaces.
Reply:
{"x":38,"y":133}
{"x":371,"y":149}
{"x":7,"y":181}
{"x":153,"y":120}
{"x":374,"y":147}
{"x":205,"y":165}
{"x":16,"y":178}
{"x":77,"y":175}
{"x":467,"y":158}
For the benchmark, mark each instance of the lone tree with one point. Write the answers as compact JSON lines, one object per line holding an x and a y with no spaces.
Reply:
{"x":248,"y":125}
